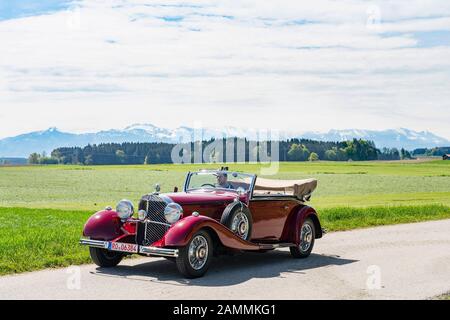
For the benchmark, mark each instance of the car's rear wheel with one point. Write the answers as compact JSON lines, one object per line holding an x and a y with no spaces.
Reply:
{"x":193,"y":259}
{"x":237,"y":218}
{"x":307,"y":237}
{"x":105,"y":258}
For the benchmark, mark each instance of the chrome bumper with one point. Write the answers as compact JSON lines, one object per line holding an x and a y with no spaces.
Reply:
{"x":94,"y":243}
{"x":153,"y":251}
{"x":162,"y":252}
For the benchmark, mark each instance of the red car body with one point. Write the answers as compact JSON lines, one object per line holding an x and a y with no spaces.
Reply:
{"x":276,"y":221}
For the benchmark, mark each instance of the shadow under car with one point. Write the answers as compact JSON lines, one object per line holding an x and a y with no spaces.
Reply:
{"x":227,"y":270}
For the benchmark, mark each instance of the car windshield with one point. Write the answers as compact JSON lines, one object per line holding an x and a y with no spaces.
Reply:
{"x":228,"y":180}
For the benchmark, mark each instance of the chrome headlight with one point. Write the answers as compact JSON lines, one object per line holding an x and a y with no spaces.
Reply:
{"x":125,"y":209}
{"x":142,"y":214}
{"x":173,"y":212}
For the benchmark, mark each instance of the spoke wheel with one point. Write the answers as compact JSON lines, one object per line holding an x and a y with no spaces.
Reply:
{"x":238,"y":219}
{"x":240,"y":225}
{"x":198,"y":252}
{"x":193,"y":259}
{"x":307,"y":235}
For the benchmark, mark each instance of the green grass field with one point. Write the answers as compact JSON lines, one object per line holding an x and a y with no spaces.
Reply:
{"x":340,"y":183}
{"x":43,"y":208}
{"x":32,"y":239}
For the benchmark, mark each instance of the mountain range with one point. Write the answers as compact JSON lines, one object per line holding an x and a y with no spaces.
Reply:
{"x":47,"y":140}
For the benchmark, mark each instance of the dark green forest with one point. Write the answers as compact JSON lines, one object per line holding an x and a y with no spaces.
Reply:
{"x":157,"y":153}
{"x":437,"y":151}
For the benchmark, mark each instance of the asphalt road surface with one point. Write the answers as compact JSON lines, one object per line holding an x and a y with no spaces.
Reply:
{"x":409,"y":261}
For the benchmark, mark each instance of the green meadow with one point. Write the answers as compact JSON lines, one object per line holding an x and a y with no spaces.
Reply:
{"x":43,"y":208}
{"x":359,"y":184}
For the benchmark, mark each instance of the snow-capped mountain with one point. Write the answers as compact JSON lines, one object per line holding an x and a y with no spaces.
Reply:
{"x":391,"y":138}
{"x":50,"y":139}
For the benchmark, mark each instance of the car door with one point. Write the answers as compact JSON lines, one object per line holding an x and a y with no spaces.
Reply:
{"x":269,"y":215}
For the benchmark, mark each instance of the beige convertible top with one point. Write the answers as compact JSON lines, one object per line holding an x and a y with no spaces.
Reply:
{"x":299,"y":188}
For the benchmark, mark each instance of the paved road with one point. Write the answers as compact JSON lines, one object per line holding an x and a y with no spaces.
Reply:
{"x":411,"y":261}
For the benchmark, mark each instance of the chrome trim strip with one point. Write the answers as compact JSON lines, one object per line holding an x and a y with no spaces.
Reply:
{"x":186,"y":181}
{"x":95,"y":243}
{"x":252,"y":188}
{"x":162,"y":252}
{"x":145,"y":232}
{"x":157,"y":222}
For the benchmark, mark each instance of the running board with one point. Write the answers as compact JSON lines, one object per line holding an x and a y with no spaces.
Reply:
{"x":270,"y":246}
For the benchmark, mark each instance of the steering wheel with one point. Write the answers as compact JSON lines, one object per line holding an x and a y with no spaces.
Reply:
{"x":208,"y":184}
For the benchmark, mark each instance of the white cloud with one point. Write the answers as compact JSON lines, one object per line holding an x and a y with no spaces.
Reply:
{"x":312,"y":66}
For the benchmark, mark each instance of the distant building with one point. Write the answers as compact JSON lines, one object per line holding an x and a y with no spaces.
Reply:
{"x":446,"y":157}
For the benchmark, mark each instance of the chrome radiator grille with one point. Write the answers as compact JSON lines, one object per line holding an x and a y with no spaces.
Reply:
{"x":155,"y":226}
{"x":154,"y":231}
{"x":154,"y":206}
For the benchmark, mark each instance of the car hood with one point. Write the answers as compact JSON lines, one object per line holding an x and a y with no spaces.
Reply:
{"x":202,"y":196}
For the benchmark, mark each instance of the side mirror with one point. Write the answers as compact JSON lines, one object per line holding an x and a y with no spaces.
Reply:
{"x":175,"y":189}
{"x":157,"y":188}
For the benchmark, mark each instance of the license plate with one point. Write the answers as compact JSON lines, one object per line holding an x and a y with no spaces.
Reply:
{"x":124,"y":247}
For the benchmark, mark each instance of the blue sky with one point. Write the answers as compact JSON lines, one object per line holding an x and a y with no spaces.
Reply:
{"x":97,"y":64}
{"x":23,"y":8}
{"x":433,"y":38}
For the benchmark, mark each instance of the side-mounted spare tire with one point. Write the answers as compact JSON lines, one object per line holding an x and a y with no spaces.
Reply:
{"x":237,"y":218}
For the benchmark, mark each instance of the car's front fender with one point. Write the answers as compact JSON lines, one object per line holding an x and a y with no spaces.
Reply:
{"x":103,"y":225}
{"x":181,"y":233}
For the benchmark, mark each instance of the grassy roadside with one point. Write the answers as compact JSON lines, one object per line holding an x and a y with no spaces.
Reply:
{"x":33,"y":239}
{"x":348,"y":218}
{"x":445,"y":296}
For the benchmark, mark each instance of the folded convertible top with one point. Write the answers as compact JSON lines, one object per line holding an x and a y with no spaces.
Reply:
{"x":299,"y":188}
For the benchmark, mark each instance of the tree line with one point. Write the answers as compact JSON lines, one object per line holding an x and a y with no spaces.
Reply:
{"x":437,"y":151}
{"x":158,"y":153}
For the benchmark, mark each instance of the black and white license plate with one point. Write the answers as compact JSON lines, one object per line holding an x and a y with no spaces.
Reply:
{"x":123,"y":247}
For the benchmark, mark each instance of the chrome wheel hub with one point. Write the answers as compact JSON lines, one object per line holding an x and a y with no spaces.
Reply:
{"x":198,"y":252}
{"x":306,"y":237}
{"x":201,"y":253}
{"x":240,"y":225}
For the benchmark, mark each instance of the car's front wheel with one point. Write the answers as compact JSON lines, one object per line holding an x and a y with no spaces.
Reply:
{"x":193,"y":259}
{"x":307,"y":236}
{"x":105,"y":258}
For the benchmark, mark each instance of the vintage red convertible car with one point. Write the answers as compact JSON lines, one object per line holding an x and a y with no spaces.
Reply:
{"x":217,"y":211}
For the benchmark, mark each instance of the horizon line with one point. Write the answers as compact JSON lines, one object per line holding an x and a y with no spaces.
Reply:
{"x":55,"y":128}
